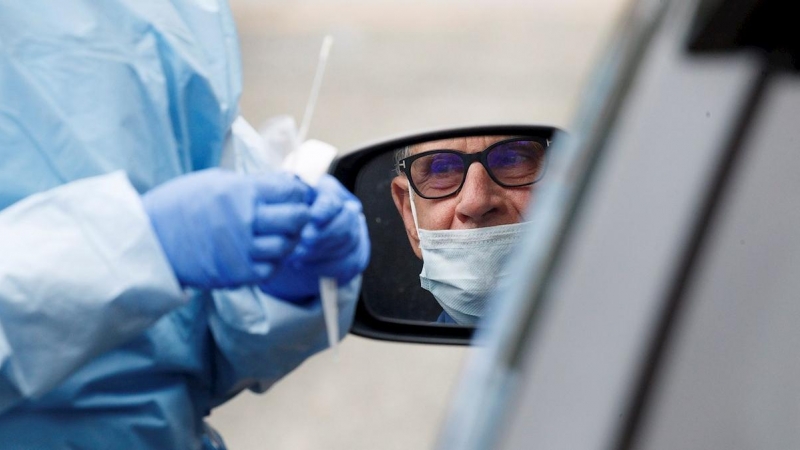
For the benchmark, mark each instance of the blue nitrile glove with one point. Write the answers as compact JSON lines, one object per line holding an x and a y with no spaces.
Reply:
{"x":333,"y":244}
{"x":221,"y":229}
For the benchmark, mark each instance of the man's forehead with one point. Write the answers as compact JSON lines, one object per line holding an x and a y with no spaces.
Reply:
{"x":470,"y":144}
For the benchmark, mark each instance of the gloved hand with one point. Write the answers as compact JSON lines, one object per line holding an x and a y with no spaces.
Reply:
{"x":333,"y":244}
{"x":220,"y":229}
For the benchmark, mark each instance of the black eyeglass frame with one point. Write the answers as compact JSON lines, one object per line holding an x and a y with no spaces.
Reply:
{"x":468,"y":159}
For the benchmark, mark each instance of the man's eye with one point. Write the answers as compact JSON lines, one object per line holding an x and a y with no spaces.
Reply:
{"x":443,"y":164}
{"x":518,"y":154}
{"x":510,"y":158}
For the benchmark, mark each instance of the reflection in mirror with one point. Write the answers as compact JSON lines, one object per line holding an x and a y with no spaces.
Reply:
{"x":443,"y":216}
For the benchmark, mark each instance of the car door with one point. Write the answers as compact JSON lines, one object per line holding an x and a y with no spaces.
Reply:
{"x":655,"y":307}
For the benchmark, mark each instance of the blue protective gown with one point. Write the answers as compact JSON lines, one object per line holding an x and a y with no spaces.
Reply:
{"x":99,"y":346}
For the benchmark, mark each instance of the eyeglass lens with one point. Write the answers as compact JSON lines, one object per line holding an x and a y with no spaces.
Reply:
{"x":511,"y":164}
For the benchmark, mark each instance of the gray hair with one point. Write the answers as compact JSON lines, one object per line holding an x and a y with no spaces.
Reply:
{"x":400,"y":154}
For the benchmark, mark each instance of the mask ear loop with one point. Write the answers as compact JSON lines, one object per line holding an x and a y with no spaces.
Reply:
{"x":413,"y":208}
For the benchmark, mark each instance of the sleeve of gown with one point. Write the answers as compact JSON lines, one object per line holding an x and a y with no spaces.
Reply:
{"x":81,"y":271}
{"x":261,"y":338}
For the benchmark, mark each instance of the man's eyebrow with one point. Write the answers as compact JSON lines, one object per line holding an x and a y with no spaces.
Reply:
{"x":448,"y":144}
{"x":425,"y":146}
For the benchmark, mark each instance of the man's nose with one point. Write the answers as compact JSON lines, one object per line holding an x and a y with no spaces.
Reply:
{"x":478,"y":198}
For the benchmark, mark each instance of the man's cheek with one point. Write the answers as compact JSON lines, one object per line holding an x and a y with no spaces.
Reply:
{"x":524,"y":200}
{"x":437,"y":215}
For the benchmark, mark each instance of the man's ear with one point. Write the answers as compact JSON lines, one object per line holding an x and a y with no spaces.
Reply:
{"x":403,"y":203}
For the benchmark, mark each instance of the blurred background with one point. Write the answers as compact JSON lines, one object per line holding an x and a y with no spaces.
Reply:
{"x":398,"y":67}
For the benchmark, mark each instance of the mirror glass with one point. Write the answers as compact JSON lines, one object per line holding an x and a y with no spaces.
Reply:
{"x":443,"y":215}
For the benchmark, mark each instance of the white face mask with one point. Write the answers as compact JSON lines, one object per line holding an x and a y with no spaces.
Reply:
{"x":462,"y":267}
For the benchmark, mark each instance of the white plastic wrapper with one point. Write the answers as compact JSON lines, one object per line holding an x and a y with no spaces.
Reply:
{"x":279,"y":144}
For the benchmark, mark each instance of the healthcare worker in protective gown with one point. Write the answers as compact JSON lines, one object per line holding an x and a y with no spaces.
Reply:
{"x":141,"y":286}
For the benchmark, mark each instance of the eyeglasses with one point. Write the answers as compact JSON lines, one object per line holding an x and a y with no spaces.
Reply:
{"x":510,"y":163}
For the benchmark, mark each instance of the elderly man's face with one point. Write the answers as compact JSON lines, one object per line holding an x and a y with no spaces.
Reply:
{"x":480,"y":203}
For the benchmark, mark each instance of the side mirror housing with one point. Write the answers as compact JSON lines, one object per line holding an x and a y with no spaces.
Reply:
{"x":392,"y":305}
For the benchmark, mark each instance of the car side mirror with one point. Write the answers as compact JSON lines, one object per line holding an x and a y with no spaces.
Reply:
{"x":393,"y":305}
